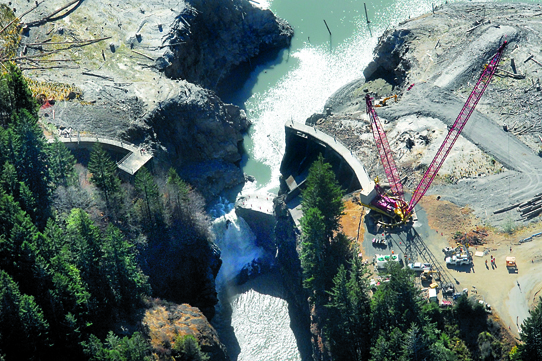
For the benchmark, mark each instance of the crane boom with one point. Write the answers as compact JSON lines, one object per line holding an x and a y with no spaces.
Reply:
{"x":456,"y":129}
{"x":384,"y":150}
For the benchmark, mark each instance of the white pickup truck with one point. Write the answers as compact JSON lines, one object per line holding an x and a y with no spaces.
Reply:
{"x":458,"y":260}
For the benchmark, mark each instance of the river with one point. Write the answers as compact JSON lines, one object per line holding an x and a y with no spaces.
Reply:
{"x":253,"y":320}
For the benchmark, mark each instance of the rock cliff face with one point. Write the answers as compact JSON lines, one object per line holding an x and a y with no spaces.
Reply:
{"x":164,"y":322}
{"x":220,"y":35}
{"x":146,"y":81}
{"x":288,"y":247}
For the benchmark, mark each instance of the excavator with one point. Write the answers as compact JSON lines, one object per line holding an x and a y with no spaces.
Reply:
{"x":391,"y":204}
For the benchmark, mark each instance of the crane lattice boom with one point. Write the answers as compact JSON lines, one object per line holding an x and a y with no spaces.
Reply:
{"x":386,"y":155}
{"x":456,"y":129}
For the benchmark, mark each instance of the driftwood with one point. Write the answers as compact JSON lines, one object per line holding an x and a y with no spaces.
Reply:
{"x":98,"y":76}
{"x":51,"y":16}
{"x":505,"y":209}
{"x":49,"y":67}
{"x":3,"y":60}
{"x":20,"y":17}
{"x":512,"y":75}
{"x":89,"y":41}
{"x":146,"y":56}
{"x":533,"y":213}
{"x":474,"y":27}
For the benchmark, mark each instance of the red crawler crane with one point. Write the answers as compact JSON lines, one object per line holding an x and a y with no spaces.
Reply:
{"x":394,"y":205}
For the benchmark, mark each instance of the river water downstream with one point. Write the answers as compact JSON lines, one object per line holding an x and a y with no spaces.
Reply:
{"x":253,"y":320}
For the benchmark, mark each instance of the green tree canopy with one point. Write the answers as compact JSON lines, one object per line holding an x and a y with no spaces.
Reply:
{"x":61,"y":164}
{"x":104,"y":174}
{"x":147,"y":191}
{"x":349,"y":321}
{"x":14,"y":95}
{"x":324,"y":193}
{"x":24,"y":328}
{"x":313,"y":246}
{"x":531,"y":335}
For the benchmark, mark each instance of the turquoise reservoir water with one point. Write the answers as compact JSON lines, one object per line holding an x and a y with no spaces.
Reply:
{"x":295,"y":83}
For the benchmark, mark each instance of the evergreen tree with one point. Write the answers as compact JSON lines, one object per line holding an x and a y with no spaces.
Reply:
{"x":415,"y":345}
{"x":14,"y":95}
{"x":134,"y":348}
{"x":148,"y":193}
{"x":531,"y":335}
{"x":397,"y":303}
{"x":8,"y":179}
{"x":323,"y":192}
{"x":61,"y":164}
{"x":349,"y":326}
{"x":121,"y":269}
{"x":86,"y":248}
{"x":186,"y":348}
{"x":104,"y":174}
{"x":23,"y":334}
{"x":177,"y":188}
{"x":27,"y":146}
{"x":313,"y":247}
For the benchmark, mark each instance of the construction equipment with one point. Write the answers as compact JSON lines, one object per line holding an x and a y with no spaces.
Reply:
{"x":382,"y":102}
{"x":511,"y":264}
{"x":427,"y":275}
{"x":394,"y":205}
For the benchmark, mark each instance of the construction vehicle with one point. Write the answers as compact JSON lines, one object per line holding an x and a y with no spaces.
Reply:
{"x":458,"y":260}
{"x":392,"y":204}
{"x":433,"y":295}
{"x":511,"y":265}
{"x":427,"y":275}
{"x":382,"y":103}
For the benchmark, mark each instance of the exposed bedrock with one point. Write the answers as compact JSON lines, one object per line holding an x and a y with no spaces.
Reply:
{"x":221,"y":35}
{"x":148,"y":82}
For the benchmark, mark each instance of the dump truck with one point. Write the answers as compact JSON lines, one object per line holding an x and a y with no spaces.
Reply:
{"x":511,"y":264}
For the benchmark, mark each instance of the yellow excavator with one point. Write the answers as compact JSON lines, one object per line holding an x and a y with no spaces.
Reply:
{"x":382,"y":103}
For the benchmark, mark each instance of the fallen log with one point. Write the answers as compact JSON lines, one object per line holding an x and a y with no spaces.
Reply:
{"x":50,"y":17}
{"x":20,"y":17}
{"x":512,"y":75}
{"x":49,"y":67}
{"x":146,"y":56}
{"x":505,"y":209}
{"x":90,"y":41}
{"x":533,"y":213}
{"x":98,"y":76}
{"x":530,"y":201}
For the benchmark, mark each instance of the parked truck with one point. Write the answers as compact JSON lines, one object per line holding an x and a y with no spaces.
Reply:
{"x":433,"y":295}
{"x":511,"y":264}
{"x":458,"y":260}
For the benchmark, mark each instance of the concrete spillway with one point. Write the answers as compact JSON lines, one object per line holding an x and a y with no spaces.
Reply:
{"x":130,"y":163}
{"x":304,"y":143}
